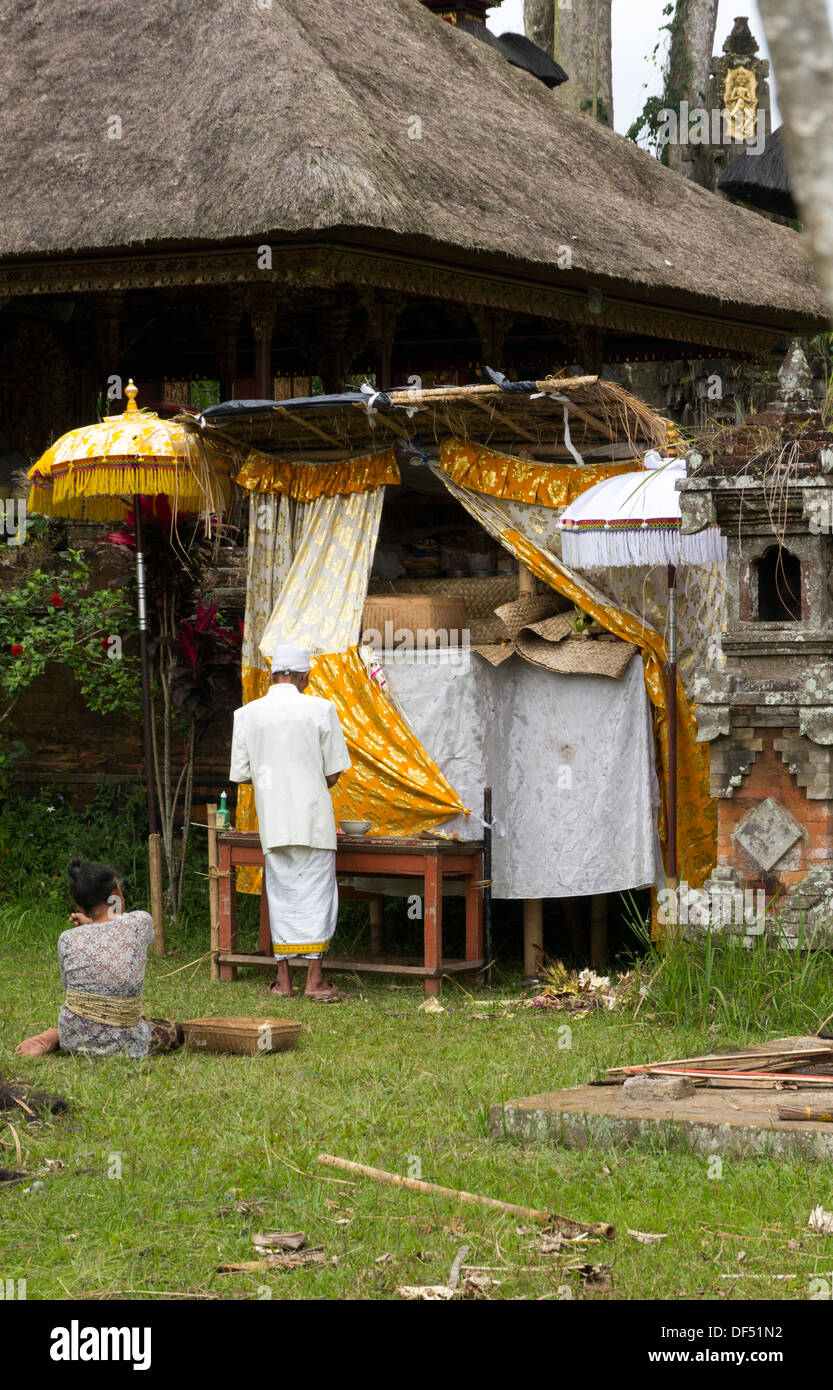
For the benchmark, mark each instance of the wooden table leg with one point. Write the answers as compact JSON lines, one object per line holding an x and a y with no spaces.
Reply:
{"x":377,"y":918}
{"x":474,"y":923}
{"x":265,"y":937}
{"x":228,"y":911}
{"x":432,"y":921}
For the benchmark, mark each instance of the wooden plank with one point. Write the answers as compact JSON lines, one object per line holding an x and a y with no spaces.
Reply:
{"x":447,"y":967}
{"x":757,"y":1057}
{"x":370,"y":844}
{"x":401,"y":865}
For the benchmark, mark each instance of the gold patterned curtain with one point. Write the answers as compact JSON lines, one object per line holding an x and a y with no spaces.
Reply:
{"x":304,"y":482}
{"x":479,"y":469}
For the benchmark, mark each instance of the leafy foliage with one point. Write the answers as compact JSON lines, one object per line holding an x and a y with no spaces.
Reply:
{"x":59,"y":617}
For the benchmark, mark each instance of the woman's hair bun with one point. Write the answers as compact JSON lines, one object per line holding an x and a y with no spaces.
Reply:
{"x":90,"y":883}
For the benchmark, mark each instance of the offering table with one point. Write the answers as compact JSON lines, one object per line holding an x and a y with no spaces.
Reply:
{"x":431,"y":858}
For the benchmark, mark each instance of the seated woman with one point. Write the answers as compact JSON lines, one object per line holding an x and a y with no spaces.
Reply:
{"x":102,"y":964}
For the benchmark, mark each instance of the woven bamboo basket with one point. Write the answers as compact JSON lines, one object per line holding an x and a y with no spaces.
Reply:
{"x":245,"y":1036}
{"x":414,"y":613}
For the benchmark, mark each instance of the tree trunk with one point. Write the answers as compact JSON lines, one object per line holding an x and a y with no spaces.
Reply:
{"x":692,"y":43}
{"x":801,"y":50}
{"x":578,"y":35}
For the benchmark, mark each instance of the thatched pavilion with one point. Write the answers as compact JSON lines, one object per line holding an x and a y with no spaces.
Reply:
{"x":762,"y":181}
{"x":246,"y":191}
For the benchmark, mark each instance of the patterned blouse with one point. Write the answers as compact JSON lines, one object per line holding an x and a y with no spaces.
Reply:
{"x":105,"y":958}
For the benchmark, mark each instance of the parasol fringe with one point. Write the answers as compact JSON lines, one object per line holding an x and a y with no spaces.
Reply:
{"x":625,"y":547}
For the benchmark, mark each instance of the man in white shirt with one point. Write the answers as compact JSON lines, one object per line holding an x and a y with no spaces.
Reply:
{"x":291,"y":748}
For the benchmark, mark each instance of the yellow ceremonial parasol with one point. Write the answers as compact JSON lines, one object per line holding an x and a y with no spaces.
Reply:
{"x":92,"y":474}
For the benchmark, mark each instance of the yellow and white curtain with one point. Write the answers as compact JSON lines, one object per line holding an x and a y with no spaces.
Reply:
{"x":321,"y":601}
{"x":312,"y":534}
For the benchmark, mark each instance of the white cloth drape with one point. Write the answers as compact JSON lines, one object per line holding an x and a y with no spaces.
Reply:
{"x":565,"y":756}
{"x":275,"y":525}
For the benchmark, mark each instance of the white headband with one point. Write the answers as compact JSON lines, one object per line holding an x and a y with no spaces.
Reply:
{"x":289,"y":658}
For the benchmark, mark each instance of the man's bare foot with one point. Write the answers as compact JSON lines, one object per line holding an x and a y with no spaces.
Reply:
{"x":317,"y":987}
{"x":328,"y":995}
{"x":39,"y":1045}
{"x":283,"y":983}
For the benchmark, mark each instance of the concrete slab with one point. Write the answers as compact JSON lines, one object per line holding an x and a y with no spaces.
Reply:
{"x":735,"y":1123}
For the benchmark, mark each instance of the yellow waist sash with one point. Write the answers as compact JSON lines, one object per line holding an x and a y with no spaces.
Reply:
{"x":105,"y":1008}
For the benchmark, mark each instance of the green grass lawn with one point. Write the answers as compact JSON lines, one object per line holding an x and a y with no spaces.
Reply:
{"x":375,"y":1081}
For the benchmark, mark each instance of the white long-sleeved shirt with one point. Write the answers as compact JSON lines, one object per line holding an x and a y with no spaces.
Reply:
{"x":286,"y":744}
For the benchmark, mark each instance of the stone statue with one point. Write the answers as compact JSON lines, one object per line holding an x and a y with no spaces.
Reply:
{"x":740,"y":99}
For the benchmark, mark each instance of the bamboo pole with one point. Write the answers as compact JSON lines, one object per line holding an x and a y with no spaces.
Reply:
{"x":806,"y":1112}
{"x":526,"y":581}
{"x":487,"y":884}
{"x":156,"y":908}
{"x":213,"y":889}
{"x":533,"y":935}
{"x":432,"y":1189}
{"x":533,"y":907}
{"x":598,"y":931}
{"x":717,"y":1061}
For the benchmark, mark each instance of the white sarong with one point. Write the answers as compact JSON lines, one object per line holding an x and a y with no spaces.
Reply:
{"x":302,"y":894}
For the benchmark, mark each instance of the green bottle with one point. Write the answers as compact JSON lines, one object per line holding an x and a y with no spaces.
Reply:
{"x":222,"y":813}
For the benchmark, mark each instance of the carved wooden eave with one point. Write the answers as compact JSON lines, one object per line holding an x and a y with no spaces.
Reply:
{"x":566,"y":297}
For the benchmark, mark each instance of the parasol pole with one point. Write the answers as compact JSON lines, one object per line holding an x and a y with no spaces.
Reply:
{"x":487,"y":884}
{"x":672,"y":726}
{"x":154,"y":847}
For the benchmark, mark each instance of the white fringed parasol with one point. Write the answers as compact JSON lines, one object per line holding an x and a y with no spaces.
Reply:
{"x":634,"y":520}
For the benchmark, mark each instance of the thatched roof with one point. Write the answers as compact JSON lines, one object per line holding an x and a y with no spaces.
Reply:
{"x":240,"y":122}
{"x":527,"y":418}
{"x":762,"y":180}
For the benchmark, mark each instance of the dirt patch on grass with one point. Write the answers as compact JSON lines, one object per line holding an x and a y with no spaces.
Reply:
{"x":25,"y":1100}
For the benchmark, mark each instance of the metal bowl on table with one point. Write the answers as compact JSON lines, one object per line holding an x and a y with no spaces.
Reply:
{"x":355,"y":828}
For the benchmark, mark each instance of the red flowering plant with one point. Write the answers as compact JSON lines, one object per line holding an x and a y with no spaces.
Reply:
{"x":55,"y":616}
{"x":195,"y":662}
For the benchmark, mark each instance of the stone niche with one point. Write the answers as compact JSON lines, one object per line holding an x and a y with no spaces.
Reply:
{"x":768,"y":712}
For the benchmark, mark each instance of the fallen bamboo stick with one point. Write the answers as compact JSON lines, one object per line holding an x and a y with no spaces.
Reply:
{"x":593,"y":1228}
{"x":719,"y":1061}
{"x":805,"y":1112}
{"x":744,"y":1077}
